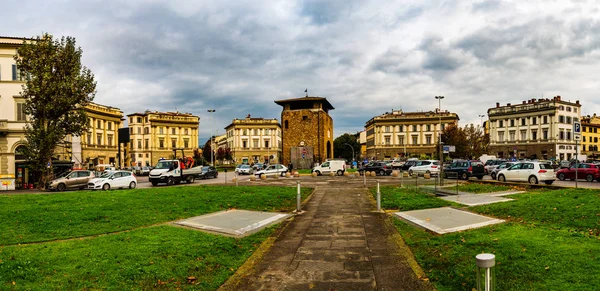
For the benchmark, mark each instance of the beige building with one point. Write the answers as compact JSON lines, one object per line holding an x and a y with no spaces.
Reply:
{"x":98,"y":146}
{"x":154,"y":135}
{"x":13,"y":169}
{"x":254,"y":140}
{"x":590,"y":136}
{"x":402,"y":134}
{"x":536,"y":129}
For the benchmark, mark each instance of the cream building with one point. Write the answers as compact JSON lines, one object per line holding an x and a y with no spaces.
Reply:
{"x":537,"y":129}
{"x":254,"y":140}
{"x":399,"y":134}
{"x":154,"y":135}
{"x":13,"y":170}
{"x":98,"y":146}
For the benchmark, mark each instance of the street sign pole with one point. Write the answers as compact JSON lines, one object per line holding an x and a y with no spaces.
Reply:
{"x":576,"y":136}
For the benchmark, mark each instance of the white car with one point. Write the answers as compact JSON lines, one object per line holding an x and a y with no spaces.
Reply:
{"x":113,"y":180}
{"x":272,"y":170}
{"x":426,"y":166}
{"x":532,"y":172}
{"x":244,"y":170}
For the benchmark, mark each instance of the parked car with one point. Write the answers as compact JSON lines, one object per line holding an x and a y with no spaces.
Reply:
{"x":244,"y":169}
{"x":380,"y":168}
{"x":533,"y":172}
{"x":494,"y":173}
{"x":207,"y":172}
{"x":464,"y":169}
{"x":146,"y":171}
{"x":71,"y":180}
{"x":336,"y":166}
{"x":258,"y":167}
{"x":113,"y":180}
{"x":426,"y":166}
{"x":272,"y":170}
{"x":397,"y":164}
{"x":491,"y":165}
{"x":408,"y":164}
{"x":587,"y":171}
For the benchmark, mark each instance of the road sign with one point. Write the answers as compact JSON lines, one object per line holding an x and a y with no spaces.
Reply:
{"x":577,"y":136}
{"x":576,"y":128}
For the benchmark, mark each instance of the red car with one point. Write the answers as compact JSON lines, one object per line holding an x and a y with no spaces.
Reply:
{"x":589,"y":172}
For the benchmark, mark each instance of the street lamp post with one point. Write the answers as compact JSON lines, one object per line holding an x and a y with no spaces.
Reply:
{"x":353,"y":157}
{"x":481,"y":116}
{"x":441,"y":175}
{"x":211,"y":137}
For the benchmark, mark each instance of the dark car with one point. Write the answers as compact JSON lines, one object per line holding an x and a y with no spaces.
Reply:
{"x":208,"y":172}
{"x":587,"y":171}
{"x":408,"y":164}
{"x":380,"y":168}
{"x":464,"y":169}
{"x":495,"y":171}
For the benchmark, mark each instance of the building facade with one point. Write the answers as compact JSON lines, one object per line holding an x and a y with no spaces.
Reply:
{"x":154,"y":135}
{"x":590,"y":136}
{"x":254,"y":140}
{"x":99,"y":145}
{"x":13,"y":171}
{"x":536,"y":129}
{"x":404,"y":134}
{"x":307,"y":131}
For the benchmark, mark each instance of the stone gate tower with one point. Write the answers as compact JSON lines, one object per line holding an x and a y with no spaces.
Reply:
{"x":307,"y":131}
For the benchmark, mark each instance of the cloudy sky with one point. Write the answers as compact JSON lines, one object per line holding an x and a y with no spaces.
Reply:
{"x":366,"y":57}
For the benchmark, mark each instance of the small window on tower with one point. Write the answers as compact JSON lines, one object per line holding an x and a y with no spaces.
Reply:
{"x":304,"y":117}
{"x":286,"y":124}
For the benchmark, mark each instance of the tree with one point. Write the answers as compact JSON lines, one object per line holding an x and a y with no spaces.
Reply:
{"x":343,"y":145}
{"x":470,"y":141}
{"x":206,"y":150}
{"x":223,"y":154}
{"x":57,"y":88}
{"x":198,"y":158}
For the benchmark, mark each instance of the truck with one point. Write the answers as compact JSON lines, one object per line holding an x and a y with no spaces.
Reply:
{"x":336,"y":166}
{"x":172,"y":172}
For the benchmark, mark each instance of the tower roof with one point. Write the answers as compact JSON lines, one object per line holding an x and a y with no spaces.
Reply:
{"x":326,"y":105}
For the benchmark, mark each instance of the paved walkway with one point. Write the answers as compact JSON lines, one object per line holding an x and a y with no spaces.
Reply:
{"x":339,"y":243}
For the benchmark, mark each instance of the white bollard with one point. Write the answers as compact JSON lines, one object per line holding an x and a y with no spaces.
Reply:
{"x":298,"y":198}
{"x":485,"y":272}
{"x":378,"y":198}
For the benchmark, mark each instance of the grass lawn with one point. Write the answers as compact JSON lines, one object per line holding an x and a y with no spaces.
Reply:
{"x":149,"y":255}
{"x":409,"y":198}
{"x":550,"y":242}
{"x":483,"y":188}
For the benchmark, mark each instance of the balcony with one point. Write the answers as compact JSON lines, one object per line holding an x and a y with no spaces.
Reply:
{"x":3,"y":125}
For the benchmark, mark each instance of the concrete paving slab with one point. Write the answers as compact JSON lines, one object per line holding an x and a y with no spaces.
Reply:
{"x":475,"y":199}
{"x":238,"y":223}
{"x":445,"y":220}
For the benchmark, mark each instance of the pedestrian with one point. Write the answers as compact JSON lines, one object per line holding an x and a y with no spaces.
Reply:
{"x":290,"y":167}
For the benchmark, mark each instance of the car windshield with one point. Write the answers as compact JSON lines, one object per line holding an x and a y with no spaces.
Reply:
{"x":205,"y":169}
{"x":163,"y":165}
{"x":546,"y":167}
{"x":244,"y":166}
{"x":106,"y":175}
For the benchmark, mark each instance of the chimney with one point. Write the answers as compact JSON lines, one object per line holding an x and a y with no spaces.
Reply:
{"x":507,"y":104}
{"x":524,"y":102}
{"x":497,"y":104}
{"x":533,"y":100}
{"x":558,"y":98}
{"x":577,"y":102}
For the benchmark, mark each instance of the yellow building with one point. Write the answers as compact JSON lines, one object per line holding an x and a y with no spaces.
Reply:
{"x":590,"y":134}
{"x":13,"y":171}
{"x":154,"y":135}
{"x":98,"y":146}
{"x":399,"y":134}
{"x":254,"y":140}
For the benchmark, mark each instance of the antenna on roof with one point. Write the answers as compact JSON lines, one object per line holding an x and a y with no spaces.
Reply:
{"x":306,"y":91}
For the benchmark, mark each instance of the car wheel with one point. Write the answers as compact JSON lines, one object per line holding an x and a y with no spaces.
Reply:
{"x":154,"y":183}
{"x":589,"y":178}
{"x":216,"y":175}
{"x":382,"y":173}
{"x":501,"y":178}
{"x":464,"y":176}
{"x":493,"y":176}
{"x":132,"y":185}
{"x":61,"y":187}
{"x":533,"y":180}
{"x":410,"y":172}
{"x":318,"y":173}
{"x":340,"y":172}
{"x":479,"y":177}
{"x":191,"y":179}
{"x":445,"y":175}
{"x":561,"y":176}
{"x":548,"y":182}
{"x":170,"y":181}
{"x":106,"y":187}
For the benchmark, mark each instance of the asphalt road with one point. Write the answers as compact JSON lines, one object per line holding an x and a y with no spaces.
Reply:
{"x":222,"y":178}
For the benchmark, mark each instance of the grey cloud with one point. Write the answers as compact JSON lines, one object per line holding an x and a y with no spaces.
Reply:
{"x":486,"y":5}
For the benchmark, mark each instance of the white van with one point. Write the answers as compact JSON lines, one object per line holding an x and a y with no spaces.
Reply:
{"x":336,"y":166}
